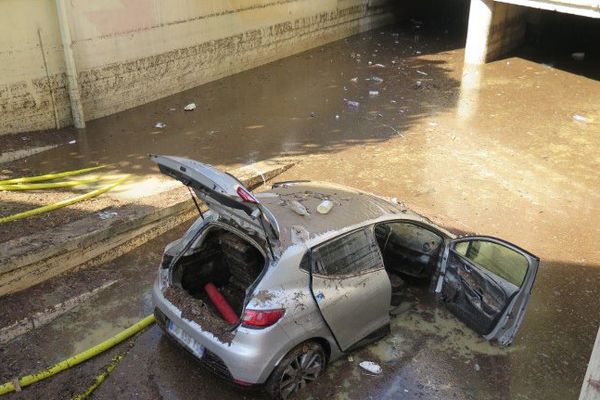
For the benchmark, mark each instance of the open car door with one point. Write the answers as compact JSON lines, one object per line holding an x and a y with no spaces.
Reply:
{"x":486,"y":283}
{"x":222,"y":192}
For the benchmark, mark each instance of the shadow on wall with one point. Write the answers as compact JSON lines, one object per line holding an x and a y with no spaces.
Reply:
{"x":296,"y":106}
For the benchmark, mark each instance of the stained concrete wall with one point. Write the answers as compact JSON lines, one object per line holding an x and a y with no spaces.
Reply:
{"x":130,"y":52}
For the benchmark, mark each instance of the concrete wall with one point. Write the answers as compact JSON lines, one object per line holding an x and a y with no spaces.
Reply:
{"x":130,"y":52}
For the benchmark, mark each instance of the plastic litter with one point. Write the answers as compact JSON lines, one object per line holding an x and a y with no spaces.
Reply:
{"x":325,"y":207}
{"x":107,"y":214}
{"x":422,"y":73}
{"x":160,"y":125}
{"x":373,"y":92}
{"x":298,"y":208}
{"x":371,"y":367}
{"x":355,"y":79}
{"x":378,"y":66}
{"x":581,"y":118}
{"x":190,"y":107}
{"x":72,"y":141}
{"x":352,"y":103}
{"x":337,"y":116}
{"x":375,"y":79}
{"x":579,"y":56}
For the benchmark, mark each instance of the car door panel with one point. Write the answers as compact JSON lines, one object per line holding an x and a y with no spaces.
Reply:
{"x":351,"y":286}
{"x":353,"y":307}
{"x":488,"y":291}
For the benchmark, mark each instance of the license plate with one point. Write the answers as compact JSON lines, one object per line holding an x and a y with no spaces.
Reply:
{"x":185,"y":339}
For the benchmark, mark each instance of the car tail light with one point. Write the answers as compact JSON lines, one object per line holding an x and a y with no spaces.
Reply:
{"x":261,"y":318}
{"x":246,"y":195}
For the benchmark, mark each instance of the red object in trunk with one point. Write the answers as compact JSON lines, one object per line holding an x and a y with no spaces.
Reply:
{"x":221,"y":303}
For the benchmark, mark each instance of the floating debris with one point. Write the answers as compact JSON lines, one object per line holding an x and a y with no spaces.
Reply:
{"x":190,"y":107}
{"x":373,"y":93}
{"x":580,"y":56}
{"x":160,"y":125}
{"x":581,"y":118}
{"x":352,"y":103}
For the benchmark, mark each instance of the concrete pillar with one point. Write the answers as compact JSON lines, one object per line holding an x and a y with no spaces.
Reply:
{"x":494,"y":29}
{"x":478,"y":33}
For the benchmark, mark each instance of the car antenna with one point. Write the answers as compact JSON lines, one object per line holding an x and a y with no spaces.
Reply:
{"x":195,"y":202}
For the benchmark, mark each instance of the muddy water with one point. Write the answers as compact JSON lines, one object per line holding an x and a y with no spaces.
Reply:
{"x":495,"y":150}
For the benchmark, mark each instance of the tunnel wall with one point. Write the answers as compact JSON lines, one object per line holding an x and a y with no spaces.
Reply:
{"x":130,"y":52}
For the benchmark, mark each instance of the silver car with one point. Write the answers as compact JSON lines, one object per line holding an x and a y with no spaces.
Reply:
{"x":265,"y":290}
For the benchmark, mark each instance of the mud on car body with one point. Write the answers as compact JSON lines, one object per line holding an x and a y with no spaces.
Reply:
{"x":263,"y":295}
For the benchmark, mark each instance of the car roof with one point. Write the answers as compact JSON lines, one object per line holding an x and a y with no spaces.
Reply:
{"x":351,"y":207}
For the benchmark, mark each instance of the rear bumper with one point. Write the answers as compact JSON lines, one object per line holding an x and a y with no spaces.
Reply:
{"x":248,"y":359}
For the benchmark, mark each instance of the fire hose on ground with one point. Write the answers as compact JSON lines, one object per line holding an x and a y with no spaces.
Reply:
{"x":79,"y":358}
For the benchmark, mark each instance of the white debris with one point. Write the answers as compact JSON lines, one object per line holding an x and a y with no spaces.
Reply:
{"x":337,"y":116}
{"x":375,"y":79}
{"x":580,"y":118}
{"x":371,"y":367}
{"x":417,"y":52}
{"x":355,"y":79}
{"x":106,"y":214}
{"x":325,"y":207}
{"x":379,"y":66}
{"x":190,"y":107}
{"x":477,"y":367}
{"x":298,"y":208}
{"x":578,"y":56}
{"x":395,"y":200}
{"x":422,"y":73}
{"x":72,"y":141}
{"x":352,"y":103}
{"x":373,"y":92}
{"x":350,"y":359}
{"x":160,"y":125}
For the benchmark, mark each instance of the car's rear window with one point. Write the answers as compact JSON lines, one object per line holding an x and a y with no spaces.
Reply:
{"x":351,"y":254}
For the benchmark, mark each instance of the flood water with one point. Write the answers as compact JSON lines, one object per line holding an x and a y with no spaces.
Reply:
{"x":496,"y":150}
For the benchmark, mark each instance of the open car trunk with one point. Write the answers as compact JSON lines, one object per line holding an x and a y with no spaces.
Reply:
{"x":224,"y":259}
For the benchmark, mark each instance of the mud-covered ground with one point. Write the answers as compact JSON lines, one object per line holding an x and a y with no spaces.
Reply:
{"x":511,"y":150}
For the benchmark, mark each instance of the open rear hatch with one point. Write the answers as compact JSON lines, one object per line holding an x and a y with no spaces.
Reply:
{"x":223,"y":193}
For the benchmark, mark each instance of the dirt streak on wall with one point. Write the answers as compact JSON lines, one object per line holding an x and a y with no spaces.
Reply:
{"x":130,"y":52}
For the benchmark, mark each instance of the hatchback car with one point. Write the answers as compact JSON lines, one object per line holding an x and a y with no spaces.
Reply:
{"x":266,"y":294}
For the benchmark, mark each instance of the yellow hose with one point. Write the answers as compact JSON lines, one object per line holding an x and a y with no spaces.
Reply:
{"x":53,"y":185}
{"x":63,"y":203}
{"x":79,"y":358}
{"x":48,"y":177}
{"x":101,"y":377}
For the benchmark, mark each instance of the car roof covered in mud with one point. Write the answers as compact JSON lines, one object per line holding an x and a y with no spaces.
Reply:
{"x":350,"y":207}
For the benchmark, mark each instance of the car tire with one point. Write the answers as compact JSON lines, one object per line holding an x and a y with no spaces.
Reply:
{"x":302,"y":365}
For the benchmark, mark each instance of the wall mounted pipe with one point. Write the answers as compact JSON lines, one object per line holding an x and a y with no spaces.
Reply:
{"x":72,"y":84}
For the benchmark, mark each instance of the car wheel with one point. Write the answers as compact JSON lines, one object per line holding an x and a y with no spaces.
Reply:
{"x":300,"y":366}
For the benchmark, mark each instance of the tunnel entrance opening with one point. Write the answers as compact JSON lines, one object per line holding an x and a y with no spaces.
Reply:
{"x":563,"y":41}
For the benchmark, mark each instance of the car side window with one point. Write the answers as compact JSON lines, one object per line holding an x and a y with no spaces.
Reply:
{"x":351,"y":254}
{"x":497,"y":259}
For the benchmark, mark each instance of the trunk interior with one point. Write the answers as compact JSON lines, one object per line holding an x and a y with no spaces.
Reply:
{"x":225,"y":260}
